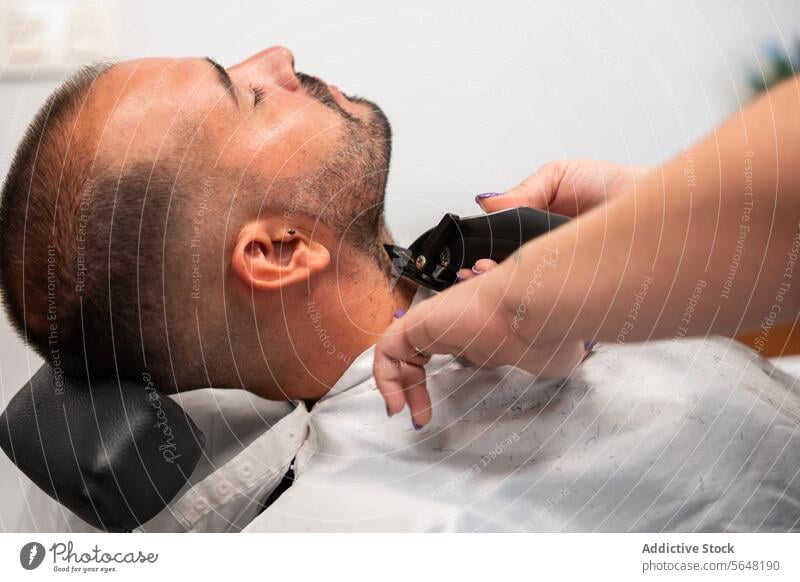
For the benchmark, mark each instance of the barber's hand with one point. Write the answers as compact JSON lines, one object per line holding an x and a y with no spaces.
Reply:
{"x":467,"y":320}
{"x":567,"y":187}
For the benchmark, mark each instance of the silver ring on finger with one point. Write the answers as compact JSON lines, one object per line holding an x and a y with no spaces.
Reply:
{"x":420,"y":353}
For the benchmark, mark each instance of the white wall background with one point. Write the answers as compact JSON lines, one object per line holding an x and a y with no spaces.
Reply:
{"x":479,"y":93}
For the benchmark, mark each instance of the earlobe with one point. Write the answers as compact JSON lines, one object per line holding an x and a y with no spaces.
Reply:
{"x":269,"y":257}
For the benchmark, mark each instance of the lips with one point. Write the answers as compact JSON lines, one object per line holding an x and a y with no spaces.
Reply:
{"x":328,"y":95}
{"x":340,"y":97}
{"x":315,"y":87}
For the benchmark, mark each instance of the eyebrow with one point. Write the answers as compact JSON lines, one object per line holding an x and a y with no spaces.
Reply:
{"x":224,"y":78}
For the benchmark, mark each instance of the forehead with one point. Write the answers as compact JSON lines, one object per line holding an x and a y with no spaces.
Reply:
{"x":149,"y":82}
{"x":146,"y":98}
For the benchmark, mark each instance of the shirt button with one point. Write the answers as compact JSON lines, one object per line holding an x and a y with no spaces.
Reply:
{"x":200,"y":505}
{"x":246,"y":471}
{"x":223,"y":489}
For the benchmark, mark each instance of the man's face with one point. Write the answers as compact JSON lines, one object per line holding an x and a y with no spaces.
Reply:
{"x":258,"y":119}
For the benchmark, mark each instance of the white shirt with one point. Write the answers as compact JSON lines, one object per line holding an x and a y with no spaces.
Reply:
{"x":677,"y":435}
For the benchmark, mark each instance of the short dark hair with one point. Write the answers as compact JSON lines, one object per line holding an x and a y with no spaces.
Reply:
{"x":99,"y":255}
{"x":61,"y":220}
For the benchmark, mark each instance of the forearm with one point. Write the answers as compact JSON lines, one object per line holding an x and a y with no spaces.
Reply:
{"x":705,"y":244}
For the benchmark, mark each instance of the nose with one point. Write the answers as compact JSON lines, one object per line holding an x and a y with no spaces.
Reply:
{"x":275,"y":64}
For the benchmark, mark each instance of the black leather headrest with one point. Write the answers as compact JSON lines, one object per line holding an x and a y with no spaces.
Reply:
{"x":113,"y":452}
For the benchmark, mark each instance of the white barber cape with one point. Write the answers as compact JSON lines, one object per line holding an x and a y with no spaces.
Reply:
{"x":691,"y":435}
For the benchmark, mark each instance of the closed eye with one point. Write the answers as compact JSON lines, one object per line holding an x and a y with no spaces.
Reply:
{"x":258,"y":95}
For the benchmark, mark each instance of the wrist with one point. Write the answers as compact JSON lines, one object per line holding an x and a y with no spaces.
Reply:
{"x":519,"y":282}
{"x":536,"y":302}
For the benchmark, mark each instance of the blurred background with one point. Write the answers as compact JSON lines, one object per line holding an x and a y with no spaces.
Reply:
{"x":479,"y":94}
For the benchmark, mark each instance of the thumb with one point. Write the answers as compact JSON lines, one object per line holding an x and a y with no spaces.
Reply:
{"x":536,"y":191}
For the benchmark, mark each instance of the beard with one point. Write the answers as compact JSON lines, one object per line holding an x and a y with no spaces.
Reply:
{"x":351,"y":185}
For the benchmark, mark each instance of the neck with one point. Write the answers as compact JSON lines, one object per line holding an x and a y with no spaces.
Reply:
{"x":325,"y":330}
{"x":354,"y":322}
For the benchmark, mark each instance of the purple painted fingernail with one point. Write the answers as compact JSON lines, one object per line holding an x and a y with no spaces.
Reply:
{"x":459,"y":278}
{"x":416,"y":426}
{"x":485,"y":195}
{"x":476,"y":271}
{"x":388,"y":412}
{"x":399,"y":313}
{"x":588,"y":345}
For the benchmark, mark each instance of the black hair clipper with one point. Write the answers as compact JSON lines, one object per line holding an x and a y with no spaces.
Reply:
{"x":455,"y":243}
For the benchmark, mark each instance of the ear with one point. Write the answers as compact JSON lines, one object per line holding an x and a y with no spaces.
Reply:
{"x":268,"y":256}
